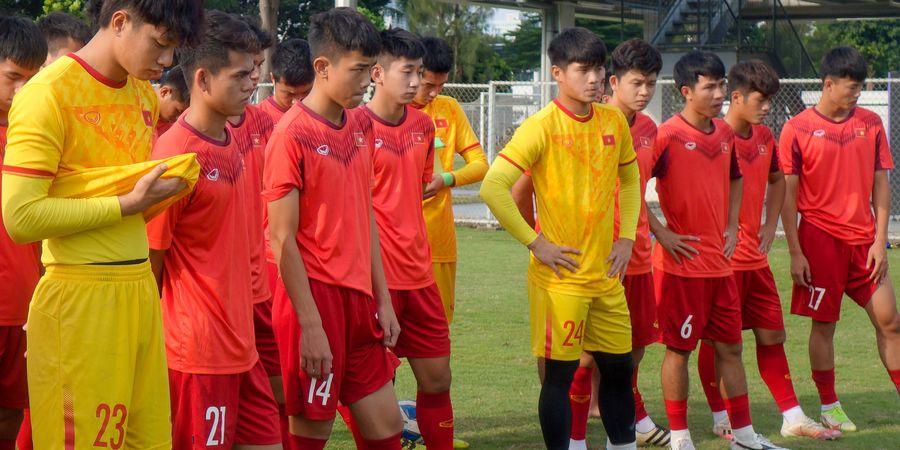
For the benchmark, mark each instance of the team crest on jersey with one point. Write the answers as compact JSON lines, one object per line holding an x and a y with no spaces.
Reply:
{"x":440,"y":123}
{"x":148,"y":118}
{"x":819,"y":133}
{"x":92,"y":117}
{"x":762,"y":149}
{"x":418,"y":138}
{"x":256,"y":139}
{"x":645,"y":141}
{"x":323,"y":150}
{"x":609,"y":139}
{"x":213,"y":175}
{"x":690,"y":146}
{"x":859,"y":132}
{"x":379,"y":143}
{"x":359,"y":138}
{"x":725,"y":147}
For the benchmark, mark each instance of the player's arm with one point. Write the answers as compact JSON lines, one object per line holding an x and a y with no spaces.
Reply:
{"x":157,"y":264}
{"x":791,"y":158}
{"x":386,"y":316}
{"x":523,"y":195}
{"x":284,"y":219}
{"x":629,"y":210}
{"x":881,"y":202}
{"x":735,"y":194}
{"x":676,"y":244}
{"x":774,"y":202}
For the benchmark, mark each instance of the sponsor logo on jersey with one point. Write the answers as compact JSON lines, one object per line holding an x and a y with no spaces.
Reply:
{"x":762,"y":149}
{"x":256,"y":138}
{"x":92,"y":117}
{"x":323,"y":150}
{"x":690,"y":145}
{"x":379,"y":143}
{"x":859,"y":132}
{"x":725,"y":147}
{"x":819,"y":133}
{"x":213,"y":175}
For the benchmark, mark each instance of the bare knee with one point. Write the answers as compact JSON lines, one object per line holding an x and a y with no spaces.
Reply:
{"x":727,"y":352}
{"x":769,"y":337}
{"x":315,"y":429}
{"x":822,"y":330}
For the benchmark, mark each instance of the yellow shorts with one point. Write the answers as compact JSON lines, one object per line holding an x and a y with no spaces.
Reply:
{"x":445,"y":277}
{"x":563,"y":325}
{"x":97,"y":361}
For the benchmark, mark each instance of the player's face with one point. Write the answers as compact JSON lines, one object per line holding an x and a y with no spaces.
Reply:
{"x":843,"y":92}
{"x":706,"y":97}
{"x":347,"y":78}
{"x":258,"y":60}
{"x":634,"y":89}
{"x":143,"y":50}
{"x":287,"y":94}
{"x":579,"y":81}
{"x":753,"y":107}
{"x":228,"y":91}
{"x":432,"y":85}
{"x":399,"y":78}
{"x":65,"y":46}
{"x":169,"y":107}
{"x":12,"y":78}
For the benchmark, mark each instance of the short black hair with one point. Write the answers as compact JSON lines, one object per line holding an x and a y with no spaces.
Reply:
{"x":697,"y":63}
{"x":339,"y":31}
{"x":223,"y":33}
{"x":22,"y":43}
{"x":577,"y":45}
{"x":58,"y":27}
{"x":182,"y":18}
{"x":845,"y":62}
{"x":266,"y":40}
{"x":399,"y":43}
{"x":753,"y":76}
{"x":438,"y":55}
{"x":635,"y":54}
{"x":175,"y":80}
{"x":291,"y":63}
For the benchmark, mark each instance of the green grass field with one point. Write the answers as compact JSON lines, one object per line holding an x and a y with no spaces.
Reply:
{"x":495,"y":384}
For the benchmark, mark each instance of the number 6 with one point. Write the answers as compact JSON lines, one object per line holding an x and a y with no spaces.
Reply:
{"x":687,"y":328}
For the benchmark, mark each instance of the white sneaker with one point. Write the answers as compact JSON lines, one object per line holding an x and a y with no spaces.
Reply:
{"x":759,"y":443}
{"x":836,"y":419}
{"x":682,"y":444}
{"x":658,"y":436}
{"x":808,"y":428}
{"x":722,"y":429}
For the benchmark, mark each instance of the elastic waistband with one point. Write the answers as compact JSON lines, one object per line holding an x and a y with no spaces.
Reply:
{"x":130,"y":272}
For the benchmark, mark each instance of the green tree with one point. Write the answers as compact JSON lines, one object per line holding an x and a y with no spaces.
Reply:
{"x":877,"y":40}
{"x":26,"y":8}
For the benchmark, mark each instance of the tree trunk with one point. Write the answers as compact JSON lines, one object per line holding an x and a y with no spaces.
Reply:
{"x":268,"y":14}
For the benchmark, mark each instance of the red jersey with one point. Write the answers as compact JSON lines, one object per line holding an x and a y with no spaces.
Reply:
{"x":207,"y":301}
{"x":272,"y":108}
{"x":757,"y":158}
{"x":331,"y":167}
{"x":19,"y":268}
{"x":161,"y":127}
{"x":836,"y":163}
{"x":643,"y":137}
{"x":693,"y":170}
{"x":403,"y":160}
{"x":251,"y":134}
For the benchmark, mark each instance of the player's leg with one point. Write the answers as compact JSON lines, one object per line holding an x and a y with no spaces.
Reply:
{"x":23,"y":440}
{"x":709,"y":380}
{"x":434,"y":409}
{"x":675,"y":393}
{"x":13,"y":386}
{"x":267,"y":347}
{"x":581,"y":400}
{"x":445,"y":278}
{"x":258,"y":426}
{"x":882,"y":311}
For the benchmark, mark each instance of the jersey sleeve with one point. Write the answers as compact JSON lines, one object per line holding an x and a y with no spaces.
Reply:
{"x":161,"y":229}
{"x":789,"y":154}
{"x":660,"y":155}
{"x":466,"y":144}
{"x":283,"y":171}
{"x":526,"y":145}
{"x":735,"y":167}
{"x":883,"y":158}
{"x":428,"y":174}
{"x":627,"y":154}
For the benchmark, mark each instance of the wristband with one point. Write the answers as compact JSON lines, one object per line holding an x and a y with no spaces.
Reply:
{"x":448,"y":179}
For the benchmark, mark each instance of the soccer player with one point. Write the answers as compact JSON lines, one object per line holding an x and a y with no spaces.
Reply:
{"x":697,"y":295}
{"x":403,"y":163}
{"x":577,"y":301}
{"x":22,"y":51}
{"x":452,"y":129}
{"x":292,"y":77}
{"x":753,"y":84}
{"x":318,"y":180}
{"x":64,"y":34}
{"x":174,"y":97}
{"x":96,"y":358}
{"x":201,"y":255}
{"x":836,"y":159}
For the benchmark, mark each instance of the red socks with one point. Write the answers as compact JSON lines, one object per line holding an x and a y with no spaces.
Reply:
{"x":639,"y":410}
{"x":434,"y":413}
{"x":305,"y":443}
{"x":824,"y":380}
{"x":24,"y":440}
{"x":773,"y":368}
{"x":738,"y":411}
{"x":676,"y":411}
{"x":706,"y":367}
{"x":895,"y":377}
{"x":580,"y":402}
{"x":391,"y":443}
{"x":285,"y":429}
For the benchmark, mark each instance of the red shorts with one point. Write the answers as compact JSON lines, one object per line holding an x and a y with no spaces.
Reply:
{"x":836,"y":268}
{"x":220,"y":411}
{"x":691,"y":309}
{"x":423,"y":323}
{"x":262,"y":326}
{"x":13,"y":385}
{"x":760,"y":303}
{"x":639,"y":293}
{"x":361,"y":364}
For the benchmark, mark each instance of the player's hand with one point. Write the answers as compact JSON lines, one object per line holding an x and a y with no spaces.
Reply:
{"x":619,"y":257}
{"x":554,"y":256}
{"x":766,"y":238}
{"x":150,"y":190}
{"x":877,"y":261}
{"x":800,"y":270}
{"x":677,"y":244}
{"x":315,"y":353}
{"x":387,"y":318}
{"x":731,"y":240}
{"x":436,"y":184}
